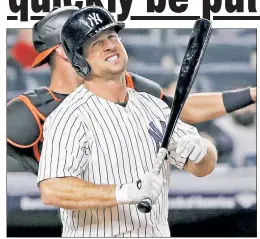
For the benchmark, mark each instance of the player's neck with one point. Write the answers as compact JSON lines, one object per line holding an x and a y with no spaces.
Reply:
{"x":114,"y":90}
{"x":65,"y":80}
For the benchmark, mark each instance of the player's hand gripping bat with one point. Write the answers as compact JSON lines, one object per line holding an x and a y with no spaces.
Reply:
{"x":190,"y":65}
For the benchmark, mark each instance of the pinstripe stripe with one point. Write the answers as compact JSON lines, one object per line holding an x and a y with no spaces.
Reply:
{"x":82,"y":137}
{"x":84,"y":223}
{"x":78,"y":222}
{"x":90,"y":225}
{"x":97,"y":223}
{"x":87,"y":212}
{"x":73,"y":230}
{"x":65,"y":162}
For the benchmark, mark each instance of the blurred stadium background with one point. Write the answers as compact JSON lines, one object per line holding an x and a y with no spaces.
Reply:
{"x":222,"y":204}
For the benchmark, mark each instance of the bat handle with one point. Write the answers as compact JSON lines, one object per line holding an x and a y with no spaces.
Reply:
{"x":145,"y":206}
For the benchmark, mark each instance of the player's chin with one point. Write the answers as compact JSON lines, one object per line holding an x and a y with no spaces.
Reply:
{"x":116,"y":68}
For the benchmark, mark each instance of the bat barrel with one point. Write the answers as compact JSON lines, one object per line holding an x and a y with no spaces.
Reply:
{"x":192,"y":59}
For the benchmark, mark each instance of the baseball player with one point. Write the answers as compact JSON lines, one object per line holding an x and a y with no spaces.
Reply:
{"x":35,"y":106}
{"x":100,"y":144}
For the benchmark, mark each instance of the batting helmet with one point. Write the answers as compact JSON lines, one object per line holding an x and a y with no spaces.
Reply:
{"x":46,"y":32}
{"x":83,"y":25}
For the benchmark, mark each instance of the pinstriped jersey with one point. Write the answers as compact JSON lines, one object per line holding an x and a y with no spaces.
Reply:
{"x":103,"y":142}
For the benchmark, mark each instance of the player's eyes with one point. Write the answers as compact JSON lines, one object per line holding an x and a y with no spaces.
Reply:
{"x":111,"y":37}
{"x":96,"y":43}
{"x":100,"y":42}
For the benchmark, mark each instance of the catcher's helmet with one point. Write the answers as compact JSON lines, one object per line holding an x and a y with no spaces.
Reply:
{"x":83,"y":25}
{"x":46,"y":32}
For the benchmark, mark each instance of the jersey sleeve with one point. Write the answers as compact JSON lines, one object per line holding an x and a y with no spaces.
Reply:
{"x":66,"y":147}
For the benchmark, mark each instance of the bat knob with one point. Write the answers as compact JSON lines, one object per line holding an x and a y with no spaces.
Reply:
{"x":145,"y":206}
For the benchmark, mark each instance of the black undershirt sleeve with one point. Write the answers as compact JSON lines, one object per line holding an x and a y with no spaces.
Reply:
{"x":168,"y":100}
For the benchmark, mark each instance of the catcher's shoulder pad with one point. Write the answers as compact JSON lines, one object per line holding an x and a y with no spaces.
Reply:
{"x":44,"y":100}
{"x":22,"y":127}
{"x":26,"y":115}
{"x":142,"y":84}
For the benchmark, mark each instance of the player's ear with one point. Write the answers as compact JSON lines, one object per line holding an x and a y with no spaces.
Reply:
{"x":59,"y":50}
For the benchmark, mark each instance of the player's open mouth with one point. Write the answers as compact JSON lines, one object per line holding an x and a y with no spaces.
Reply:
{"x":112,"y":58}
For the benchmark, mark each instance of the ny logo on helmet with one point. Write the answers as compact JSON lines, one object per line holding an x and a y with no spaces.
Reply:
{"x":94,"y":20}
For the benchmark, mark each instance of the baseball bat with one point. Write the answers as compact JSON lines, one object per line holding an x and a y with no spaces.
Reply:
{"x":190,"y":65}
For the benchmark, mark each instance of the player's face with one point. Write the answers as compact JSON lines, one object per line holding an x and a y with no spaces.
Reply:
{"x":106,"y":54}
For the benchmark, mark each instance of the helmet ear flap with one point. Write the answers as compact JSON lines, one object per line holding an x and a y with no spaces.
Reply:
{"x":78,"y":62}
{"x":80,"y":65}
